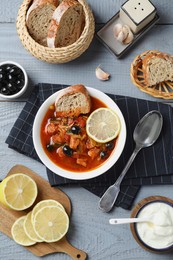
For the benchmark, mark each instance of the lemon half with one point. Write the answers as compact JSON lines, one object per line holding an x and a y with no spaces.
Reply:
{"x":18,"y":191}
{"x":103,"y":125}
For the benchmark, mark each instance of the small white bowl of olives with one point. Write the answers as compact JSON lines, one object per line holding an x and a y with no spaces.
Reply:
{"x":13,"y":80}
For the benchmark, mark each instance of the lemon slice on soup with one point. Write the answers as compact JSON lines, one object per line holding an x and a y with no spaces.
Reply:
{"x":18,"y":191}
{"x":18,"y":233}
{"x":51,"y":223}
{"x":103,"y":125}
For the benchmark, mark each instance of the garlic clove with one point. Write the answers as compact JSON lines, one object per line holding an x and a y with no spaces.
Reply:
{"x":125,"y":31}
{"x":120,"y":37}
{"x":117,"y":29}
{"x":126,"y":27}
{"x":102,"y":75}
{"x":129,"y":37}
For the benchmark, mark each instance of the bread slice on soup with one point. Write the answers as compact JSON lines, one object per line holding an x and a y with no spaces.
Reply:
{"x":73,"y":101}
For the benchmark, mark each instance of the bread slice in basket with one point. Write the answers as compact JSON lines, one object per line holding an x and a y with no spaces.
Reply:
{"x":67,"y":24}
{"x":72,"y":101}
{"x":139,"y":76}
{"x":38,"y":19}
{"x":157,"y":67}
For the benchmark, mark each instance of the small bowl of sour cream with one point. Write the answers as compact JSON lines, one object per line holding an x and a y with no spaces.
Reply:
{"x":155,"y":236}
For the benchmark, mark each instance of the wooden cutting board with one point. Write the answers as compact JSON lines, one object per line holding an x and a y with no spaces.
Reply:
{"x":45,"y":191}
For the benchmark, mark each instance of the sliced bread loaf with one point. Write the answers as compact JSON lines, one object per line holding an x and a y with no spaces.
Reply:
{"x":38,"y":19}
{"x":73,"y":101}
{"x":157,"y":68}
{"x":67,"y":24}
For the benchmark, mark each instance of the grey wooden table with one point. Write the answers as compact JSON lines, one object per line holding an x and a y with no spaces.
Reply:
{"x":89,"y":230}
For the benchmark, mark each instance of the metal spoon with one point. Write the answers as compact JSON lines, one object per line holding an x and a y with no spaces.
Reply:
{"x":116,"y":221}
{"x":145,"y":134}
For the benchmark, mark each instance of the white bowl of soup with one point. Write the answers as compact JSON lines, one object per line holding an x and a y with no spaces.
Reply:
{"x":59,"y":157}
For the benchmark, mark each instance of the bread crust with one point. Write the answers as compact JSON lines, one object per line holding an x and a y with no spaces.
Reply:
{"x":55,"y":24}
{"x":71,"y":91}
{"x":148,"y":59}
{"x":37,"y":5}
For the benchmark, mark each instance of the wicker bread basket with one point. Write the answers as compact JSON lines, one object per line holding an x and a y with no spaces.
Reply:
{"x":161,"y":90}
{"x":56,"y":55}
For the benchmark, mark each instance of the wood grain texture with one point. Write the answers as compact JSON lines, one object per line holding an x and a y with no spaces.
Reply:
{"x":103,"y":10}
{"x":45,"y":191}
{"x":90,"y":229}
{"x":71,"y":73}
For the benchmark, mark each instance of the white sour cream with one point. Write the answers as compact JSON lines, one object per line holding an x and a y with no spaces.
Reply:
{"x":159,"y":234}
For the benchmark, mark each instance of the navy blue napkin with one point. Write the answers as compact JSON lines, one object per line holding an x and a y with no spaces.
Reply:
{"x":153,"y":165}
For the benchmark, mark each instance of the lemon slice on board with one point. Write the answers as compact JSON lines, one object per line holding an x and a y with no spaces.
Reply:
{"x":51,"y":223}
{"x":29,"y":230}
{"x":44,"y":203}
{"x":103,"y":125}
{"x":18,"y":233}
{"x":18,"y":191}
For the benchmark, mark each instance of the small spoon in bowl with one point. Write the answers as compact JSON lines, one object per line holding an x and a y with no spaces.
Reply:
{"x":116,"y":221}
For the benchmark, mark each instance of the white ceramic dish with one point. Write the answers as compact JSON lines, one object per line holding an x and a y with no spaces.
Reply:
{"x":159,"y":234}
{"x":105,"y":35}
{"x":22,"y":91}
{"x":85,"y":174}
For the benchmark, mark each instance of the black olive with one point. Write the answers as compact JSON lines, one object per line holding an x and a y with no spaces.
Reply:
{"x":15,"y":71}
{"x":103,"y":154}
{"x":8,"y":67}
{"x":67,"y":150}
{"x":4,"y":91}
{"x":19,"y":84}
{"x":10,"y":88}
{"x":2,"y":76}
{"x":75,"y":129}
{"x":10,"y":77}
{"x":10,"y":85}
{"x":3,"y":84}
{"x":50,"y":147}
{"x":20,"y":75}
{"x":109,"y":145}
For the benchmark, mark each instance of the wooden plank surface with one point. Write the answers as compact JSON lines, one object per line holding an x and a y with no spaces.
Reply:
{"x":45,"y":192}
{"x":90,"y":229}
{"x":103,"y":10}
{"x":78,"y":70}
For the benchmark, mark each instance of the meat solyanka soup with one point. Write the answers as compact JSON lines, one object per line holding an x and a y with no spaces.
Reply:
{"x":65,"y":141}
